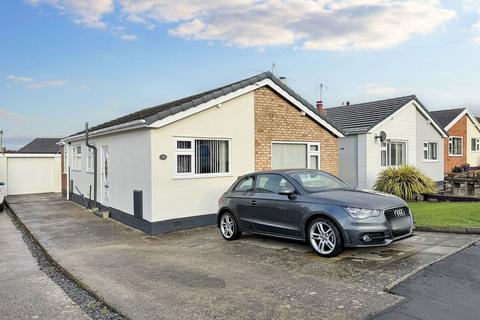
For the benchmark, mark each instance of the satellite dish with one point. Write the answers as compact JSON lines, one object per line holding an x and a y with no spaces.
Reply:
{"x":382,"y":136}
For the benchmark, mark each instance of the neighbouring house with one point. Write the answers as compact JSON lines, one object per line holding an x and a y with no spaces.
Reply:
{"x":412,"y":137}
{"x":164,"y":168}
{"x":35,"y":168}
{"x":463,"y":144}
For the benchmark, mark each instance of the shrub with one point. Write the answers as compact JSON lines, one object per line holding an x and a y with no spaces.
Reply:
{"x":404,"y":182}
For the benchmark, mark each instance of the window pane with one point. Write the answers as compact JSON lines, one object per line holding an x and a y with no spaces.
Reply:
{"x":314,"y":162}
{"x":289,"y":156}
{"x":314,"y":148}
{"x":184,"y":163}
{"x":245,"y":184}
{"x":393,"y":154}
{"x":182,"y":144}
{"x":271,"y":183}
{"x":433,"y":151}
{"x":384,"y":158}
{"x":211,"y":156}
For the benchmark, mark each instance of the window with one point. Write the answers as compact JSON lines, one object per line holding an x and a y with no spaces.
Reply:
{"x":90,"y":159}
{"x":393,"y":153}
{"x":77,"y":157}
{"x":475,"y":144}
{"x":244,"y":185}
{"x":430,"y":151}
{"x":295,"y":155}
{"x":455,"y":146}
{"x":202,"y":157}
{"x":318,"y":181}
{"x":271,"y":183}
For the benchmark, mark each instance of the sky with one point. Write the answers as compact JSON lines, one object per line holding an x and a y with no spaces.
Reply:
{"x":65,"y":62}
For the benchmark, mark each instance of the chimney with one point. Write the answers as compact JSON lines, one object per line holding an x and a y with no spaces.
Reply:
{"x":319,"y":105}
{"x":283,"y":79}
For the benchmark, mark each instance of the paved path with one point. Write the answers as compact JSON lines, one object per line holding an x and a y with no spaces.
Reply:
{"x":25,"y":291}
{"x":198,"y":274}
{"x":449,"y":289}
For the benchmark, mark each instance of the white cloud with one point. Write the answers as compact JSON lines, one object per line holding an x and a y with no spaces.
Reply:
{"x":10,"y":116}
{"x":81,"y":88}
{"x":310,"y":24}
{"x":36,"y":84}
{"x":380,"y":90}
{"x":84,"y":12}
{"x":474,"y":5}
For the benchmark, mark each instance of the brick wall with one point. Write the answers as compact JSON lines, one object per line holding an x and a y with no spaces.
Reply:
{"x":459,"y":130}
{"x":278,"y":120}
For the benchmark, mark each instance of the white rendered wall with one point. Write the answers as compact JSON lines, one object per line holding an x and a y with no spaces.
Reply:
{"x":184,"y":197}
{"x":473,"y":157}
{"x":129,"y":169}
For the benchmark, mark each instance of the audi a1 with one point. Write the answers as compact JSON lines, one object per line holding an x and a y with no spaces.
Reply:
{"x":312,"y":206}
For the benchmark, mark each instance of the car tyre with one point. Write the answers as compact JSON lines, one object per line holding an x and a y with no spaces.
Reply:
{"x":324,"y":238}
{"x":229,"y":227}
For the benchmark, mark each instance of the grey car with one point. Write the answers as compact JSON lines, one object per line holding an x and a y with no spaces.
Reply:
{"x":312,"y":206}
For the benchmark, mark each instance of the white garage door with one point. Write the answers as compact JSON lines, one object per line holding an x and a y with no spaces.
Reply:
{"x":32,"y":174}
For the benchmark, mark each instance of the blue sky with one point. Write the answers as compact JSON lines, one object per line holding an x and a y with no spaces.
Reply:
{"x":64,"y":62}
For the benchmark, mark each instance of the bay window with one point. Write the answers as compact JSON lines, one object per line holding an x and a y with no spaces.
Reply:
{"x":196,"y":157}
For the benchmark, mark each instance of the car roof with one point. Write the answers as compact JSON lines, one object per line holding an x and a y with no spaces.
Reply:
{"x":280,"y":171}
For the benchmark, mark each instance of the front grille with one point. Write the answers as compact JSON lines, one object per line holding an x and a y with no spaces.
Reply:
{"x":390,"y":213}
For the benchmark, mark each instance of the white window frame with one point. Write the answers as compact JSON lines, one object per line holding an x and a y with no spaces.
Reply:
{"x":425,"y":148}
{"x":77,"y":156}
{"x":66,"y":161}
{"x":387,"y":153}
{"x":477,"y":144}
{"x":90,"y":160}
{"x":450,"y":142}
{"x":309,"y":152}
{"x":191,"y":152}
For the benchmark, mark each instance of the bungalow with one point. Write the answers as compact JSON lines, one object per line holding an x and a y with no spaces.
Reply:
{"x":386,"y":133}
{"x":163,"y":168}
{"x":463,"y":143}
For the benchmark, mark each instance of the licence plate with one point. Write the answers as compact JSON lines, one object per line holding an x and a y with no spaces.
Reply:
{"x":400,"y":223}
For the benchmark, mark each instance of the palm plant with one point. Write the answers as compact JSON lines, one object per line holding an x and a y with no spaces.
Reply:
{"x":404,"y":182}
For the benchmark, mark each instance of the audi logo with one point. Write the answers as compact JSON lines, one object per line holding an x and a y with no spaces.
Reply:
{"x":399,"y":213}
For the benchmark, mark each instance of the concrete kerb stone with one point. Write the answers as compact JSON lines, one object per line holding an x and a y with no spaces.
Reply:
{"x":459,"y":230}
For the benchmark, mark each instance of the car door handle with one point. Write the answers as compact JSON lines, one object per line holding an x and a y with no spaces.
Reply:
{"x":253,"y":203}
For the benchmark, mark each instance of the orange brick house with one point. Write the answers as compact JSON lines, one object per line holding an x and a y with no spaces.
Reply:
{"x":463,"y":144}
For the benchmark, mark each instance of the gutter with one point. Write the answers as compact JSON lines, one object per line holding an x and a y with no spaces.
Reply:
{"x":120,"y":127}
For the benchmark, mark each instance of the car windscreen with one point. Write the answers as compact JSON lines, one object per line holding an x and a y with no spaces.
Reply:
{"x":317,"y":181}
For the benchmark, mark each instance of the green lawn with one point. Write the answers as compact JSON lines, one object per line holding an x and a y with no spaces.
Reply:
{"x":446,"y":214}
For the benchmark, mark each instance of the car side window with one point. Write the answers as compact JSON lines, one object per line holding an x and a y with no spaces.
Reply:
{"x":271,"y":183}
{"x":244,"y":185}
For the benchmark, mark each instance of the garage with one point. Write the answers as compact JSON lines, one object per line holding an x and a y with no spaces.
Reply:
{"x":31,"y":173}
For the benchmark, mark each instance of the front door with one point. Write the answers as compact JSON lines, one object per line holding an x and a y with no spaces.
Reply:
{"x":105,"y":183}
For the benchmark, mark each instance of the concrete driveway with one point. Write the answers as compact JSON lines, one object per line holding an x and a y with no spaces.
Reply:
{"x":198,"y":274}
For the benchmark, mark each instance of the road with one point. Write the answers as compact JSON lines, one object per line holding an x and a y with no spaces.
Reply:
{"x":449,"y":289}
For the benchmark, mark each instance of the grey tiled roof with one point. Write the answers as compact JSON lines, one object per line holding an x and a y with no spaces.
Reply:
{"x":444,"y":117}
{"x":162,"y":111}
{"x":41,"y":145}
{"x":360,"y":118}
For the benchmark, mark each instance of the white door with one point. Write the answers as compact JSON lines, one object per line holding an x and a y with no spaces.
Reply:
{"x":105,"y":184}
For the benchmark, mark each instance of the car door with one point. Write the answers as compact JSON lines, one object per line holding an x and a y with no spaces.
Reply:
{"x":242,"y":196}
{"x":272,"y":212}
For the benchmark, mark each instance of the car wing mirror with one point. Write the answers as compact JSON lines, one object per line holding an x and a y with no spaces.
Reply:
{"x":287,"y":191}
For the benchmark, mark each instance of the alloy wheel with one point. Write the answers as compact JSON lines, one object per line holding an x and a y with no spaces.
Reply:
{"x":227,"y":225}
{"x":322,"y":238}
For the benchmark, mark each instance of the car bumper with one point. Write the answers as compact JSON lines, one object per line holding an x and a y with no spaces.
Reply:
{"x":378,"y":233}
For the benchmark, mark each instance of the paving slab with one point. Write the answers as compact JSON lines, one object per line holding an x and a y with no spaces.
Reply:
{"x":197,"y":273}
{"x":25,"y":291}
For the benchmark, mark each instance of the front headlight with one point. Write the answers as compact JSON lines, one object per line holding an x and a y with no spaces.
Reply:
{"x":359,"y":213}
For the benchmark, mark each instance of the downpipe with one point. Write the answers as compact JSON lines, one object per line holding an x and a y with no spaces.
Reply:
{"x":87,"y":143}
